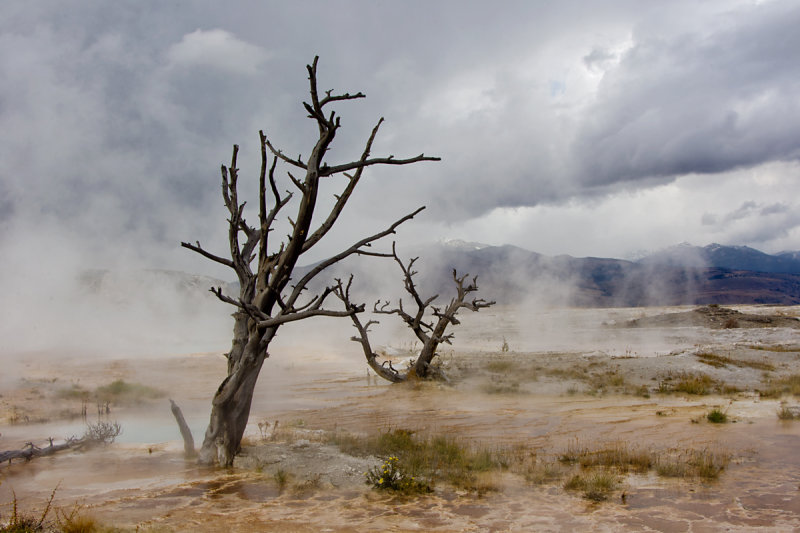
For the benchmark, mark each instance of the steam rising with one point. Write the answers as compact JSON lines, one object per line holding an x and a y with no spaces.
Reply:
{"x":559,"y":133}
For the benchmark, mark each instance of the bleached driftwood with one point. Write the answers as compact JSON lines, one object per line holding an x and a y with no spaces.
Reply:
{"x":100,"y":433}
{"x":188,"y":441}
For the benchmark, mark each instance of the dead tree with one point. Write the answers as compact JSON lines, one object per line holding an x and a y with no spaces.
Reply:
{"x":266,"y":298}
{"x":430,"y":330}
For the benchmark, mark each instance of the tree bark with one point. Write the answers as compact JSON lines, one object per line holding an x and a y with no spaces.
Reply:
{"x":230,"y":408}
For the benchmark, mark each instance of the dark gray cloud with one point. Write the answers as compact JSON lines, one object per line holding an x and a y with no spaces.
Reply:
{"x":707,"y":100}
{"x":115,"y":117}
{"x":563,"y":128}
{"x":754,"y":222}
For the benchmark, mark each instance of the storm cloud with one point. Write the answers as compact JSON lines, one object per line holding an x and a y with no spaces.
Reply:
{"x":707,"y":100}
{"x":560,"y":124}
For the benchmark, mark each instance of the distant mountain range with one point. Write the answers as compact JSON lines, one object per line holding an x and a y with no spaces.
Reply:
{"x":730,"y":257}
{"x":681,"y":274}
{"x":155,"y":287}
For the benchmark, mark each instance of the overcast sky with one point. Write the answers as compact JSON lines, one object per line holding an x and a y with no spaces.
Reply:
{"x":564,"y":127}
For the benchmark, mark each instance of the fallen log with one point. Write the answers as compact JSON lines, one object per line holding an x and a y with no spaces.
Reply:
{"x":100,"y":433}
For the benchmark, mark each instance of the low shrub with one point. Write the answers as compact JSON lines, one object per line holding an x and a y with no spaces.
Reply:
{"x":390,"y":476}
{"x":715,"y":416}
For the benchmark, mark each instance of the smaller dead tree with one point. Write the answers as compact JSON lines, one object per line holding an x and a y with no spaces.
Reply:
{"x":428,"y":322}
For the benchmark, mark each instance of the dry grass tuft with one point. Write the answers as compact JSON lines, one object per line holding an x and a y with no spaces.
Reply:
{"x":500,"y":386}
{"x":775,"y":388}
{"x":704,"y":464}
{"x":542,"y":472}
{"x":500,"y":366}
{"x":695,"y":384}
{"x":721,"y":361}
{"x":596,"y":486}
{"x":619,"y":456}
{"x":780,"y":348}
{"x":788,"y":413}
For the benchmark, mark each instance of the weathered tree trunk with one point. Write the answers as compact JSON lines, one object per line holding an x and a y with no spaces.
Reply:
{"x":230,"y":408}
{"x":424,"y":359}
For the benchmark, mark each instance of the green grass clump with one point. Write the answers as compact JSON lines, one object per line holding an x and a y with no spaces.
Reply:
{"x":122,"y":392}
{"x":436,"y":458}
{"x":715,"y":416}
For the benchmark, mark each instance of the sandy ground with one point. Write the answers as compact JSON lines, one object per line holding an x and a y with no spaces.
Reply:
{"x":591,"y":377}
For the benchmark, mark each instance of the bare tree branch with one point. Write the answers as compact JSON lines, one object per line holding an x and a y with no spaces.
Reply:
{"x":197,"y":248}
{"x":294,"y":162}
{"x":301,"y":315}
{"x":341,"y":200}
{"x":346,"y":253}
{"x":377,"y":161}
{"x":387,"y":372}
